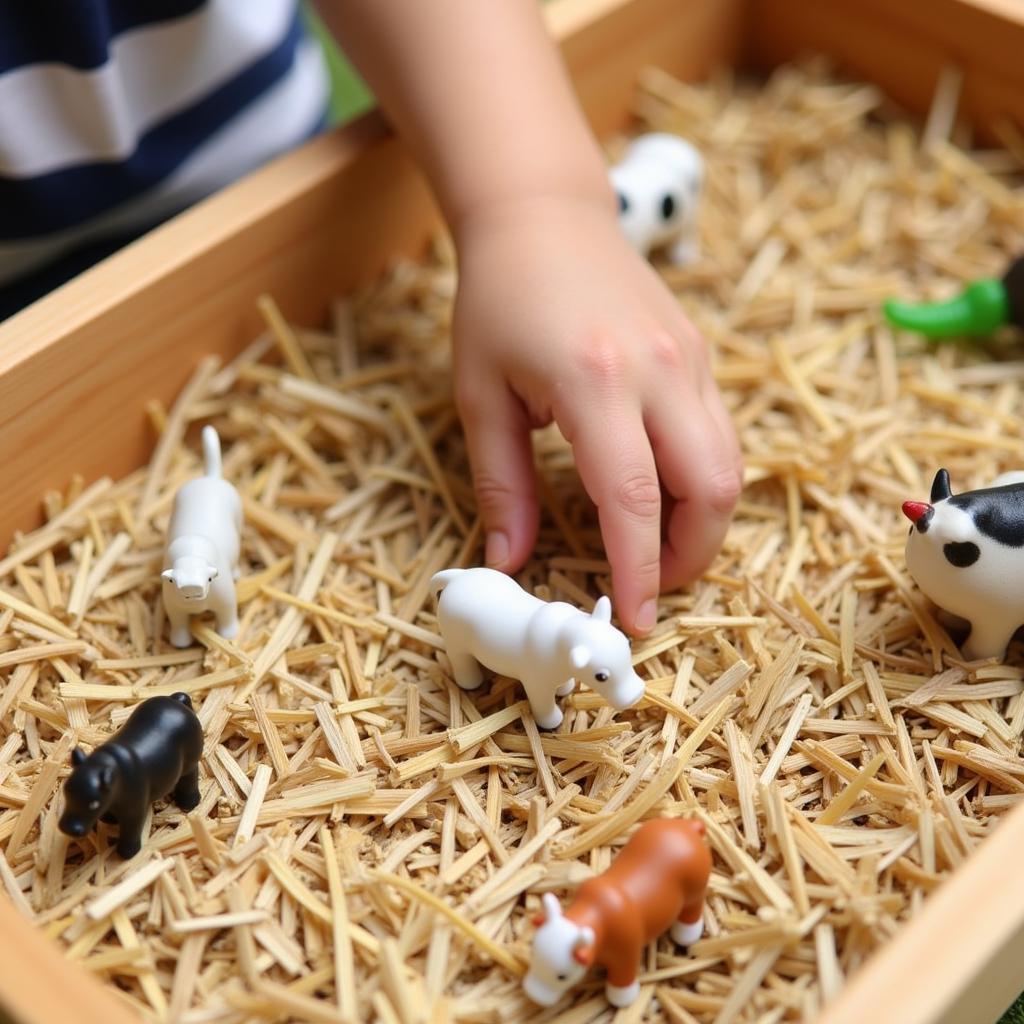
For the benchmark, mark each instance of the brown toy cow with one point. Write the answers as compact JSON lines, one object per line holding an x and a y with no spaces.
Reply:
{"x":657,"y":881}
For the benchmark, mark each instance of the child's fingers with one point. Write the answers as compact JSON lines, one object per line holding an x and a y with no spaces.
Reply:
{"x":616,"y":465}
{"x":712,"y":398}
{"x":700,"y":467}
{"x":501,"y":458}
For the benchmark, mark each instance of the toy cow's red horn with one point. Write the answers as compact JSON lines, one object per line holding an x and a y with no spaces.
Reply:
{"x":914,"y":510}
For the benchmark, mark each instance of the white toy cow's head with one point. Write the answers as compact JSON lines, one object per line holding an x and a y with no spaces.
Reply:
{"x":957,"y":546}
{"x":599,"y":656}
{"x":192,"y":577}
{"x":658,"y":183}
{"x":562,"y":952}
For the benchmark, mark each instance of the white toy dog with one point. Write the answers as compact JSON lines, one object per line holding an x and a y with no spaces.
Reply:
{"x":658,"y":182}
{"x":966,"y":553}
{"x":487,"y":619}
{"x":201,"y":558}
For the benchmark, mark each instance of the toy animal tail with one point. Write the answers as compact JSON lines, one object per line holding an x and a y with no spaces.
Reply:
{"x":211,"y":451}
{"x":182,"y":698}
{"x":440,"y":580}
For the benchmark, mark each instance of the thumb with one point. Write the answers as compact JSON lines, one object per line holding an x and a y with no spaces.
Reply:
{"x":504,"y":478}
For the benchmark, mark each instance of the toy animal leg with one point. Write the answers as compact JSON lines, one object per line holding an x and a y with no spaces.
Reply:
{"x":684,"y":251}
{"x":186,"y":792}
{"x":546,"y":713}
{"x":622,"y":995}
{"x":129,"y":840}
{"x":225,"y":608}
{"x":566,"y":688}
{"x":181,"y":636}
{"x":465,"y":669}
{"x":988,"y":640}
{"x":686,"y":933}
{"x":108,"y":819}
{"x":227,"y":624}
{"x":689,"y":927}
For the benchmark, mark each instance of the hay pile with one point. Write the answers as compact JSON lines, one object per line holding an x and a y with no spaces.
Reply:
{"x":372,"y":842}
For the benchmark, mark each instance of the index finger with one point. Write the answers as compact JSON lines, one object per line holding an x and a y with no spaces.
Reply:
{"x":616,"y":464}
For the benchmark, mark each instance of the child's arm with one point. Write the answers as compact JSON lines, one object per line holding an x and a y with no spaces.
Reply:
{"x":556,"y":317}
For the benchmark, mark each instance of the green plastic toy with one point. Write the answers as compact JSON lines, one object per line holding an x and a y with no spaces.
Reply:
{"x":981,"y":308}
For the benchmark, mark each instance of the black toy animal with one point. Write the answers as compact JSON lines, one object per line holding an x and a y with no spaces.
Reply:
{"x":154,"y":753}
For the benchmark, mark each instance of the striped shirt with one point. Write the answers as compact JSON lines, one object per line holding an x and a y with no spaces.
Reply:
{"x":116,"y":114}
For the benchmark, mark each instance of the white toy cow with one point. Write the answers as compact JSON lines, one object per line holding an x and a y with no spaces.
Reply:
{"x":658,"y":182}
{"x":966,"y":553}
{"x":487,"y":619}
{"x":201,"y":557}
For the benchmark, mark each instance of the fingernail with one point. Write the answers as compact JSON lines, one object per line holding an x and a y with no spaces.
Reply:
{"x":646,"y":617}
{"x":496,"y":550}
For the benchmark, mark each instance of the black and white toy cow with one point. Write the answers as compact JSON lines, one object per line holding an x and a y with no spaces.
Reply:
{"x":658,"y":182}
{"x":156,"y":752}
{"x":966,"y":553}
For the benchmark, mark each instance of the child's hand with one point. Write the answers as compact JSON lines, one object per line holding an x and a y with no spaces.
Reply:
{"x":559,"y":319}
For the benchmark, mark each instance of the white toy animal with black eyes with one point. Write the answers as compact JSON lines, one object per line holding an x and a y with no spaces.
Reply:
{"x":487,"y":619}
{"x":203,"y":542}
{"x":658,"y":182}
{"x":966,"y":553}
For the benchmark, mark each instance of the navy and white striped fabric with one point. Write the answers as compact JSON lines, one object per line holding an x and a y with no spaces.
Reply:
{"x":115,"y":114}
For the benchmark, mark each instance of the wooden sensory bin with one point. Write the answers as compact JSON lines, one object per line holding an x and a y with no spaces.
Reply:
{"x":77,"y":369}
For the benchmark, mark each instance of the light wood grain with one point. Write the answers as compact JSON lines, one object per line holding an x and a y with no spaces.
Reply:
{"x":906,"y":47}
{"x":959,"y":958}
{"x":39,"y":986}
